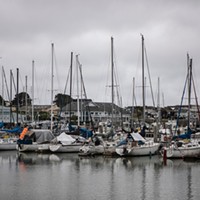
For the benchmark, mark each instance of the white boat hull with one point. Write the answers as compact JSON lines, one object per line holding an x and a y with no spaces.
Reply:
{"x":91,"y":150}
{"x":142,"y":150}
{"x":32,"y":147}
{"x":183,"y":152}
{"x":59,"y":148}
{"x":7,"y":146}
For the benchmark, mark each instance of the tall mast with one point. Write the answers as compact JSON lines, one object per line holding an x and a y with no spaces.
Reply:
{"x":70,"y":105}
{"x":17,"y":109}
{"x":112,"y":77}
{"x":143,"y":80}
{"x":158,"y":120}
{"x":78,"y":113}
{"x":158,"y":104}
{"x":133,"y":98}
{"x":2,"y":108}
{"x":33,"y":91}
{"x":26,"y":97}
{"x":52,"y":75}
{"x":11,"y":77}
{"x":189,"y":88}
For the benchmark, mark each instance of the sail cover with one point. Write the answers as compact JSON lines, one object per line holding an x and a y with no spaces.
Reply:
{"x":65,"y":139}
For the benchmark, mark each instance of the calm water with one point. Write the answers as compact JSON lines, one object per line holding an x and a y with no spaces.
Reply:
{"x":67,"y":176}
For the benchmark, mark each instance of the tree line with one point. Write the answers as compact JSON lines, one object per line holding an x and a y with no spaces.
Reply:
{"x":23,"y":99}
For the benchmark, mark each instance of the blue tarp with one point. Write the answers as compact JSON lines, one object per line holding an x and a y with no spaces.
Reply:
{"x":84,"y":132}
{"x":123,"y":142}
{"x":1,"y":124}
{"x":183,"y":136}
{"x":16,"y":129}
{"x":71,"y":128}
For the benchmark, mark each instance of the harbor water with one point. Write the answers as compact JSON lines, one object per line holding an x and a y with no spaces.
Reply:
{"x":35,"y":176}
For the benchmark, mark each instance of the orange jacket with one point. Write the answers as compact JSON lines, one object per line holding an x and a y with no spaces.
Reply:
{"x":23,"y":133}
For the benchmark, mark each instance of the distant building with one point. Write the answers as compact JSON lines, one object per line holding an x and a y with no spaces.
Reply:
{"x":99,"y":112}
{"x":6,"y":117}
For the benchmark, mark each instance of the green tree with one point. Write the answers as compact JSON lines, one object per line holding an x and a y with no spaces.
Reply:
{"x":62,"y":100}
{"x":2,"y":101}
{"x":44,"y":116}
{"x":22,"y":99}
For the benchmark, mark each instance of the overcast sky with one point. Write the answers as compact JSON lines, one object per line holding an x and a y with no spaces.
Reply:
{"x":171,"y":29}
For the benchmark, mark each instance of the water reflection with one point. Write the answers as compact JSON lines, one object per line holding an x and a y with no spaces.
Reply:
{"x":68,"y":176}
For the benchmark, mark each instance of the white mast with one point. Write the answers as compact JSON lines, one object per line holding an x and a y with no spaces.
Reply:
{"x":2,"y":105}
{"x":52,"y":46}
{"x":112,"y":78}
{"x":26,"y":97}
{"x":133,"y":98}
{"x":78,"y":113}
{"x":10,"y":99}
{"x":143,"y":80}
{"x":32,"y":91}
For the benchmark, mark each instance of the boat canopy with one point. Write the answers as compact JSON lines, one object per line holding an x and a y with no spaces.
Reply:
{"x":137,"y":137}
{"x":133,"y":136}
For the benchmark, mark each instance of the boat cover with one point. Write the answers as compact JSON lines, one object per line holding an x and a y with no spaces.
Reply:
{"x":41,"y":136}
{"x":1,"y":124}
{"x":186,"y":135}
{"x":65,"y":139}
{"x":16,"y":129}
{"x":86,"y":133}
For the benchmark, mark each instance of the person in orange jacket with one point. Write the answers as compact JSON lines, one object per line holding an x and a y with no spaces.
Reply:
{"x":23,"y":133}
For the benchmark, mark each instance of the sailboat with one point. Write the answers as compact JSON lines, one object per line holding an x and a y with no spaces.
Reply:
{"x":72,"y":140}
{"x":135,"y":144}
{"x":182,"y":145}
{"x":65,"y":143}
{"x":96,"y":145}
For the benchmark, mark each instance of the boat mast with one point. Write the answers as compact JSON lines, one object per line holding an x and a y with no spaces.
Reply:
{"x":70,"y":105}
{"x":11,"y":77}
{"x":133,"y":98}
{"x":189,"y":87}
{"x":112,"y":77}
{"x":78,"y":113}
{"x":2,"y":108}
{"x":158,"y":104}
{"x":52,"y":62}
{"x":33,"y":63}
{"x":26,"y":98}
{"x":143,"y":80}
{"x":158,"y":120}
{"x":81,"y":92}
{"x":17,"y":108}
